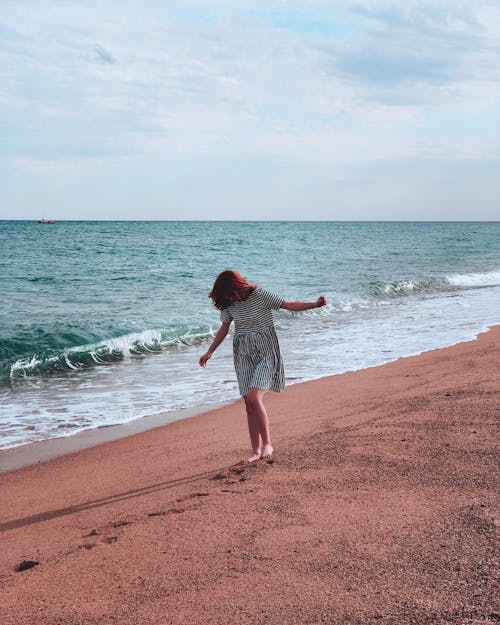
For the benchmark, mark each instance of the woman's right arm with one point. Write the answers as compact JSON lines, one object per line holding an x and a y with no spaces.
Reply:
{"x":297,"y":306}
{"x":219,"y":337}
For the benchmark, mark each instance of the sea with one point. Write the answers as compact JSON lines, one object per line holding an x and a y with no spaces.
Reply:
{"x":104,"y":322}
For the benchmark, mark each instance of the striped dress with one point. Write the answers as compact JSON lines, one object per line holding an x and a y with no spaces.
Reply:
{"x":256,"y":351}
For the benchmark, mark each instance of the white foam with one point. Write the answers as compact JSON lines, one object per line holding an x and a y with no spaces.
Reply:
{"x":490,"y":278}
{"x":404,"y":286}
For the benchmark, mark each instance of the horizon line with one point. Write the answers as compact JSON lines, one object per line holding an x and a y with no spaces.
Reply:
{"x":34,"y":220}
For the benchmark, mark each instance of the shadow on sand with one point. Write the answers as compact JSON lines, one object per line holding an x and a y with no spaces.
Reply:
{"x":96,"y":503}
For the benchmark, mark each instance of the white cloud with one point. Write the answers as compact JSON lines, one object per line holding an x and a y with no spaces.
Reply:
{"x":104,"y":56}
{"x":297,"y":82}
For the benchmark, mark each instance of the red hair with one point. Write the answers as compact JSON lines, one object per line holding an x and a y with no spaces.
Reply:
{"x":230,"y":287}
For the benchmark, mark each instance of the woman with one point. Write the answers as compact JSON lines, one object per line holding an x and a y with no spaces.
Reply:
{"x":257,"y":358}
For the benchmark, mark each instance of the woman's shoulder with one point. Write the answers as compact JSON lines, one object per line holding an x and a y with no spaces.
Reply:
{"x":252,"y":293}
{"x":261,"y":291}
{"x":258,"y":293}
{"x":259,"y":296}
{"x":270,"y":298}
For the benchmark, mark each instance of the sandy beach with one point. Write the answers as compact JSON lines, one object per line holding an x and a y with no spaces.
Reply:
{"x":379,"y":506}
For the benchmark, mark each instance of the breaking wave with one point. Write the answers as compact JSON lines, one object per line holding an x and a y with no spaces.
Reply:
{"x":107,"y":351}
{"x":401,"y":288}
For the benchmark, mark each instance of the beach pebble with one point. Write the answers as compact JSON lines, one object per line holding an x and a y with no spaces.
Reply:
{"x":25,"y":565}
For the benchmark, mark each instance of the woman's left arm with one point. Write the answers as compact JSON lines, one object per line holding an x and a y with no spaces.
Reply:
{"x":296,"y":306}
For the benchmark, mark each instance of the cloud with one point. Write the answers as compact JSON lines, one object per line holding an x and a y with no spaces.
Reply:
{"x":397,"y":50}
{"x":391,"y":67}
{"x":302,"y":85}
{"x":103,"y":56}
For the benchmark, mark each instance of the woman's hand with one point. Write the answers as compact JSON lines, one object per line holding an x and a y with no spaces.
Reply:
{"x":204,"y":359}
{"x":219,"y":337}
{"x":321,"y":301}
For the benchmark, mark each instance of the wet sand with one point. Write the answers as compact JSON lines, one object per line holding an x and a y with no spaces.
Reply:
{"x":41,"y":451}
{"x":379,"y":506}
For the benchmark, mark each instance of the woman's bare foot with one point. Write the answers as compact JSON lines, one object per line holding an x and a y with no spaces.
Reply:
{"x":255,"y":456}
{"x":267,"y":451}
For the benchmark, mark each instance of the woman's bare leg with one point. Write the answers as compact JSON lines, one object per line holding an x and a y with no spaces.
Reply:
{"x":253,"y":430}
{"x":258,"y":425}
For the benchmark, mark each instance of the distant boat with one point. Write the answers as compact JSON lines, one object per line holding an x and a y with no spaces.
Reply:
{"x":45,"y":221}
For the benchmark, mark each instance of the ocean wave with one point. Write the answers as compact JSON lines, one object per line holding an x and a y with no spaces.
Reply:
{"x":107,"y":351}
{"x":453,"y":282}
{"x":468,"y":280}
{"x":398,"y":288}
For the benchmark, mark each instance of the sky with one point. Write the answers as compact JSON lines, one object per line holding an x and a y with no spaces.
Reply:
{"x":235,"y":109}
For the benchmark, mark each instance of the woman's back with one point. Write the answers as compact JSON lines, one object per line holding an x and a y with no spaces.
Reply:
{"x":254,"y":313}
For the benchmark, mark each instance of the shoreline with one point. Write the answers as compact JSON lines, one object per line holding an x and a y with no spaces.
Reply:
{"x":380,"y":504}
{"x":37,"y":452}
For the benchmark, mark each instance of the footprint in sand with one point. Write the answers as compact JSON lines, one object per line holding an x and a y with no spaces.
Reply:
{"x":166,"y":512}
{"x":102,"y":534}
{"x":121,"y":523}
{"x":92,"y":533}
{"x":109,"y":539}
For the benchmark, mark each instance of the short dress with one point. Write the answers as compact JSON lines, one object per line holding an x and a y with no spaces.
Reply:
{"x":256,"y":351}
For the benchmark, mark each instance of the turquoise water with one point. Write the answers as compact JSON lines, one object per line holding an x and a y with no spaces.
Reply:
{"x":103,"y":322}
